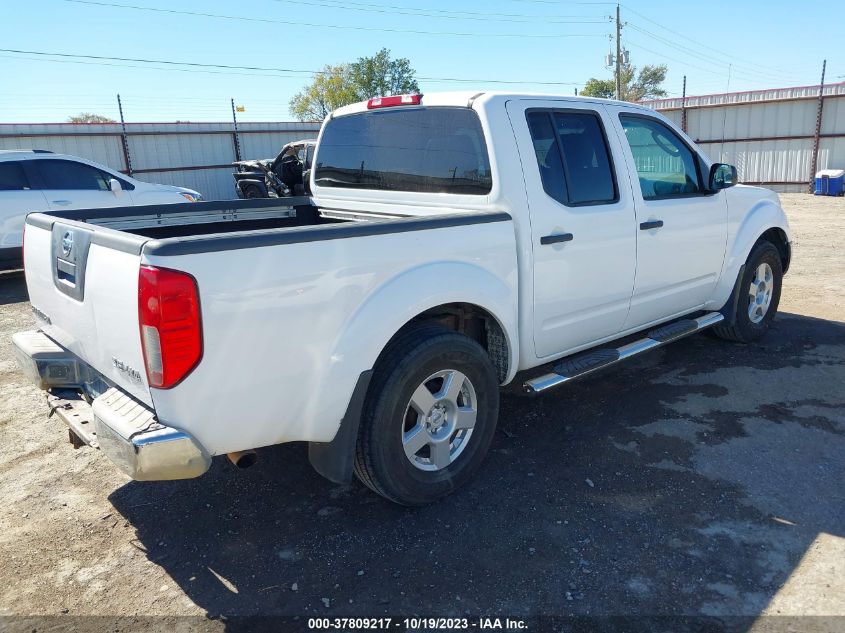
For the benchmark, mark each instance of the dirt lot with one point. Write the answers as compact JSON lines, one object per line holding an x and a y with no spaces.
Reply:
{"x":707,"y":478}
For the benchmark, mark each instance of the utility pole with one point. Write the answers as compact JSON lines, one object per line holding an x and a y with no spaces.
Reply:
{"x":618,"y":55}
{"x":124,"y":139}
{"x":684,"y":106}
{"x":815,"y":156}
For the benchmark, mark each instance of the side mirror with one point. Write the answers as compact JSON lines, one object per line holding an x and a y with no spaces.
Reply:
{"x":115,"y":187}
{"x":722,"y":176}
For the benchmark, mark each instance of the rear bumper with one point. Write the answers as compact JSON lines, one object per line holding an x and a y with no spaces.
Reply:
{"x":126,"y":430}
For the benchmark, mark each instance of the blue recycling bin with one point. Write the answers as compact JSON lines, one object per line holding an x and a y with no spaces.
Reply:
{"x":830,"y":182}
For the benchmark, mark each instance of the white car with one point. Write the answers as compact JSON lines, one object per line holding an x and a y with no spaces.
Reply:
{"x":38,"y":180}
{"x":452,"y":241}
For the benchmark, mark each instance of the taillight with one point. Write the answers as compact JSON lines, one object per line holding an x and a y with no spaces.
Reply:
{"x":396,"y":100}
{"x":171,"y":327}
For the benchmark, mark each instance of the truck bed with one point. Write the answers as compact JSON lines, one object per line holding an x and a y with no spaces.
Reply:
{"x":295,"y":300}
{"x":232,"y":224}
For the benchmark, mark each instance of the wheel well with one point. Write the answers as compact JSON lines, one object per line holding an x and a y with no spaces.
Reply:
{"x":474,"y":322}
{"x":777,"y":237}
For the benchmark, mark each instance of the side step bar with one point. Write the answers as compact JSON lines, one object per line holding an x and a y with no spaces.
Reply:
{"x":577,"y":366}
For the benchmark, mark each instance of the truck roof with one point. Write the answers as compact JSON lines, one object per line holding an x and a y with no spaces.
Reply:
{"x":463,"y":98}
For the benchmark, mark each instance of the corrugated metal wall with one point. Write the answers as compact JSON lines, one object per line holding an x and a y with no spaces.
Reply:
{"x":767,"y":134}
{"x":194,"y":155}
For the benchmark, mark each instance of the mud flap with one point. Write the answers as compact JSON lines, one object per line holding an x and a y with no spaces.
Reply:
{"x":729,"y":309}
{"x":333,"y":460}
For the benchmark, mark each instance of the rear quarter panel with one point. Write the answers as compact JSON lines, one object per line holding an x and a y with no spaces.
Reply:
{"x":288,"y":329}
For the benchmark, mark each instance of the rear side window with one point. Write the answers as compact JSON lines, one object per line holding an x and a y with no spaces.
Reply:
{"x":548,"y":155}
{"x":12,"y":177}
{"x":432,"y":150}
{"x":573,"y":157}
{"x":67,"y":174}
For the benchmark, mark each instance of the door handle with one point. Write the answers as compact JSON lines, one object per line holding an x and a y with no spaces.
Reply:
{"x":554,"y":239}
{"x":651,"y":224}
{"x":61,"y":203}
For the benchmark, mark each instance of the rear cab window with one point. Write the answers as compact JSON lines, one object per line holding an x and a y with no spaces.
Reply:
{"x":431,"y":150}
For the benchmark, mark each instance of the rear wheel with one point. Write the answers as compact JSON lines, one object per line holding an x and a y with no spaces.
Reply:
{"x":429,"y":417}
{"x":759,"y":295}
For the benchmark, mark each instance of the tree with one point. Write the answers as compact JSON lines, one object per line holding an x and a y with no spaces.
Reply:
{"x":379,"y":75}
{"x":90,"y":117}
{"x":340,"y":85}
{"x":603,"y":88}
{"x":635,"y":86}
{"x":331,"y":88}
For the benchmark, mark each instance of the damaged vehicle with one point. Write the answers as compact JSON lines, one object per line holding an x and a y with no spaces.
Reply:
{"x":280,"y":177}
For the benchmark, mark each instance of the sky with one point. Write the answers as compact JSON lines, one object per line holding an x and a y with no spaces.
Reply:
{"x":261,"y":52}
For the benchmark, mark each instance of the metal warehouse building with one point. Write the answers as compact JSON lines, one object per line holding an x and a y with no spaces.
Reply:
{"x":772,"y":136}
{"x":194,"y":155}
{"x":777,"y":138}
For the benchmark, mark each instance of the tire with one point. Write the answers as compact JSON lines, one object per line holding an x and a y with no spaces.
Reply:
{"x":752,"y":320}
{"x":427,"y":360}
{"x":252,"y":191}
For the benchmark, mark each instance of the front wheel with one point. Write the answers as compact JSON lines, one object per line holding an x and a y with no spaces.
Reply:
{"x":252,"y":191}
{"x":759,"y":295}
{"x":429,"y":417}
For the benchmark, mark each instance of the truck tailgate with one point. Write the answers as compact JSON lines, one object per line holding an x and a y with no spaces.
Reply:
{"x":85,"y":296}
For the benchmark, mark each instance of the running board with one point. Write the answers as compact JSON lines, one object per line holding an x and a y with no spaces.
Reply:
{"x":577,"y":366}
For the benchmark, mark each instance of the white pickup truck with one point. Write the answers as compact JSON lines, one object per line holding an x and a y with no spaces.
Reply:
{"x":452,"y":241}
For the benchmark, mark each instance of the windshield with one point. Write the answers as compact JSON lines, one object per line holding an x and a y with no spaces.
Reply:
{"x":433,"y":150}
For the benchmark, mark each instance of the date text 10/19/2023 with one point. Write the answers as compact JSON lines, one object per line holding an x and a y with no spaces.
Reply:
{"x":417,"y":624}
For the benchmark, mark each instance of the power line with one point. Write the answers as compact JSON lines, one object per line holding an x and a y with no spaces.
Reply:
{"x":201,"y":67}
{"x":106,"y":63}
{"x":560,"y":2}
{"x":710,"y":49}
{"x":674,"y":59}
{"x":349,"y":5}
{"x":704,"y":57}
{"x":636,"y":45}
{"x":326,"y":26}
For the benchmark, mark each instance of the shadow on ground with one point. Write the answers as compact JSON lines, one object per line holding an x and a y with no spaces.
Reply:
{"x":689,"y":482}
{"x":12,"y":287}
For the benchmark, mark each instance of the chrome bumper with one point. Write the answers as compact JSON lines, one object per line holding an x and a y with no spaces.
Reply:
{"x":46,"y":363}
{"x":126,"y":430}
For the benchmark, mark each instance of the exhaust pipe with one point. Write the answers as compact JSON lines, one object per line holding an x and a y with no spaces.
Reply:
{"x":243,"y":459}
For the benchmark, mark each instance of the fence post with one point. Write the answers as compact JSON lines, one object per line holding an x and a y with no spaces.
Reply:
{"x":815,"y":155}
{"x":235,"y":134}
{"x":127,"y":158}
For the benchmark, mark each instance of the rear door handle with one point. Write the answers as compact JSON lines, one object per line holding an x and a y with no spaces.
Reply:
{"x":554,"y":239}
{"x":61,"y":203}
{"x":651,"y":224}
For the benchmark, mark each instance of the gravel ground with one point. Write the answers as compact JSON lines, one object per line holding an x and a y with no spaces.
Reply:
{"x":704,"y":479}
